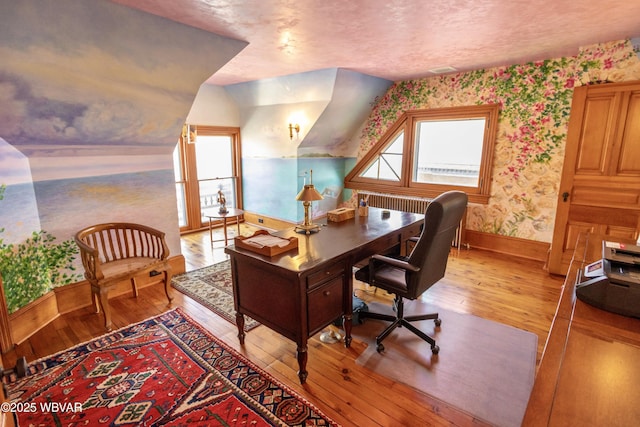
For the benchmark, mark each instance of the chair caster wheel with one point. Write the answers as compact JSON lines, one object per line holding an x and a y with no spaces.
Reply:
{"x":380,"y":348}
{"x":438,"y":322}
{"x":435,"y":349}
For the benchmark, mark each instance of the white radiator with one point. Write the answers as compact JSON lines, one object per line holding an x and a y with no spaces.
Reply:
{"x":406,"y":204}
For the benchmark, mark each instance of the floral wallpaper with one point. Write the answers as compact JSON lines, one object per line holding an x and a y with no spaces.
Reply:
{"x":535,"y":100}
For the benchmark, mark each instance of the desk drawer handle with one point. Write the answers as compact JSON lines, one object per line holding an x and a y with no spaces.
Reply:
{"x":326,"y":293}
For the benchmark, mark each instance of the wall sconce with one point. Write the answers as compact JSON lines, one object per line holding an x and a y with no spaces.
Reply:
{"x":189,"y":133}
{"x":293,"y":127}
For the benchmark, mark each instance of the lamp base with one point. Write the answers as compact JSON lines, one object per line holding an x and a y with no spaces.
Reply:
{"x":307,"y":229}
{"x":330,"y":337}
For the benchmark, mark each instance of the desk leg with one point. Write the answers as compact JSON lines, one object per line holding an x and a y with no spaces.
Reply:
{"x":210,"y":232}
{"x":302,"y":362}
{"x":240,"y":324}
{"x":348,"y":306}
{"x":346,"y":324}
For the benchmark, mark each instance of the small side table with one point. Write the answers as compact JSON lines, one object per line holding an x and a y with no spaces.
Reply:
{"x":215,"y":214}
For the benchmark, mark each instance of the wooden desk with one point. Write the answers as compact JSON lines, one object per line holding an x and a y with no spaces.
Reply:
{"x":298,"y":293}
{"x":589,"y":374}
{"x":215,"y":214}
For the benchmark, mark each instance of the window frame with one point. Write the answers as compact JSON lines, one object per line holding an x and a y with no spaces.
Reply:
{"x":189,"y":179}
{"x":407,"y":123}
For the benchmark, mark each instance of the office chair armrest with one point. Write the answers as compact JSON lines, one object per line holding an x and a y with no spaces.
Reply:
{"x":394,"y":262}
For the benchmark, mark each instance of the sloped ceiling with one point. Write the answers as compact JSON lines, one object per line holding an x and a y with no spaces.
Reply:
{"x":397,"y":40}
{"x":99,"y":77}
{"x":326,"y":104}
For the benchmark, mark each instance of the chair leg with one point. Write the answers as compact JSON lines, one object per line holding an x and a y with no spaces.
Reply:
{"x":95,"y":301}
{"x":399,"y":321}
{"x":167,"y":284}
{"x":378,"y":316}
{"x":103,"y":298}
{"x":134,"y":287}
{"x":418,"y":317}
{"x":434,"y":348}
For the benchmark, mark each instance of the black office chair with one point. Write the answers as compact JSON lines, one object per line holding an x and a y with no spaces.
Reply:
{"x":426,"y":265}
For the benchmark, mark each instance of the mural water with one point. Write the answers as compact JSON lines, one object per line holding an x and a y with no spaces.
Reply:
{"x":271,"y":185}
{"x":63,"y":204}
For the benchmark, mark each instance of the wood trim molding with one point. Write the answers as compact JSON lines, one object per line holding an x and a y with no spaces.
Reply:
{"x":6,"y":339}
{"x":78,"y":295}
{"x":270,"y":223}
{"x":508,"y":245}
{"x":29,"y":319}
{"x":64,"y":299}
{"x":32,"y":317}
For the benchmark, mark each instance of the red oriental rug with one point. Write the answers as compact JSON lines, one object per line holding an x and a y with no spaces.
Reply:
{"x":167,"y":370}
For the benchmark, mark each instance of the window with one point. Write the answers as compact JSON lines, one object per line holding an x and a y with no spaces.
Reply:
{"x":204,"y":163}
{"x":388,"y":165}
{"x":428,"y":152}
{"x":448,"y":152}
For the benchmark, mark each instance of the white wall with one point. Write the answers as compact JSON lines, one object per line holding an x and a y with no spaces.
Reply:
{"x":214,"y":107}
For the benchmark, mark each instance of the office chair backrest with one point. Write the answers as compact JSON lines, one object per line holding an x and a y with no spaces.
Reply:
{"x":431,"y":252}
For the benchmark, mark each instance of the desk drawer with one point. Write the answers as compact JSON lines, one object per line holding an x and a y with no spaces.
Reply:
{"x":324,"y":304}
{"x":325,"y":274}
{"x":382,"y":245}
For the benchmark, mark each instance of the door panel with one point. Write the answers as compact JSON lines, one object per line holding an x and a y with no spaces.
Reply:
{"x":629,"y":162}
{"x":595,"y":135}
{"x":595,"y":196}
{"x":600,"y":184}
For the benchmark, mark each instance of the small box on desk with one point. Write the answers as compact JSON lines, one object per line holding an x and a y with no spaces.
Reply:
{"x":341,"y":214}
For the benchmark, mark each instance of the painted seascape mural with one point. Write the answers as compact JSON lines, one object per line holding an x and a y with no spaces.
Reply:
{"x":328,"y":106}
{"x":93,"y":96}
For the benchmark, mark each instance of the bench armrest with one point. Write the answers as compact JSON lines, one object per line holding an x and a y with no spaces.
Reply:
{"x":90,"y":261}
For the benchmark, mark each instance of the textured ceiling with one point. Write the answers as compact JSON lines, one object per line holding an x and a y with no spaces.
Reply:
{"x":397,"y":39}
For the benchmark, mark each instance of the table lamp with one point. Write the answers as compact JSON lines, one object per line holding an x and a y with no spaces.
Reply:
{"x":307,"y":195}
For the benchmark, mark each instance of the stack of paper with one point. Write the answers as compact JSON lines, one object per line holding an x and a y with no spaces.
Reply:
{"x":266,"y":240}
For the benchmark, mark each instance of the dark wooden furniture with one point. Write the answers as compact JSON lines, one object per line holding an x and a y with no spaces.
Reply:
{"x":120,"y":251}
{"x":229,"y":214}
{"x":424,"y":266}
{"x":298,"y":293}
{"x":590,"y":370}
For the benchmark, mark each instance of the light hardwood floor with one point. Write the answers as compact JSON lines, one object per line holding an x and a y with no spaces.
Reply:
{"x":512,"y":291}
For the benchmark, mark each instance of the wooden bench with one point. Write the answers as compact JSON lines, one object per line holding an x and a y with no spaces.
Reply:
{"x":115,"y":252}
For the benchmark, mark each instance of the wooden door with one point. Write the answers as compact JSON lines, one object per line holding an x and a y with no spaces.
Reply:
{"x":600,"y":185}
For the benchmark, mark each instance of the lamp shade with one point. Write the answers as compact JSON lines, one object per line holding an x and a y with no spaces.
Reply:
{"x":308,"y":194}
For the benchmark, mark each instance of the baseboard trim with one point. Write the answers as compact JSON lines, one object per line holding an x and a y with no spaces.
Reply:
{"x":512,"y":246}
{"x":508,"y":245}
{"x":31,"y":318}
{"x":267,"y":222}
{"x":78,"y":295}
{"x":34,"y":316}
